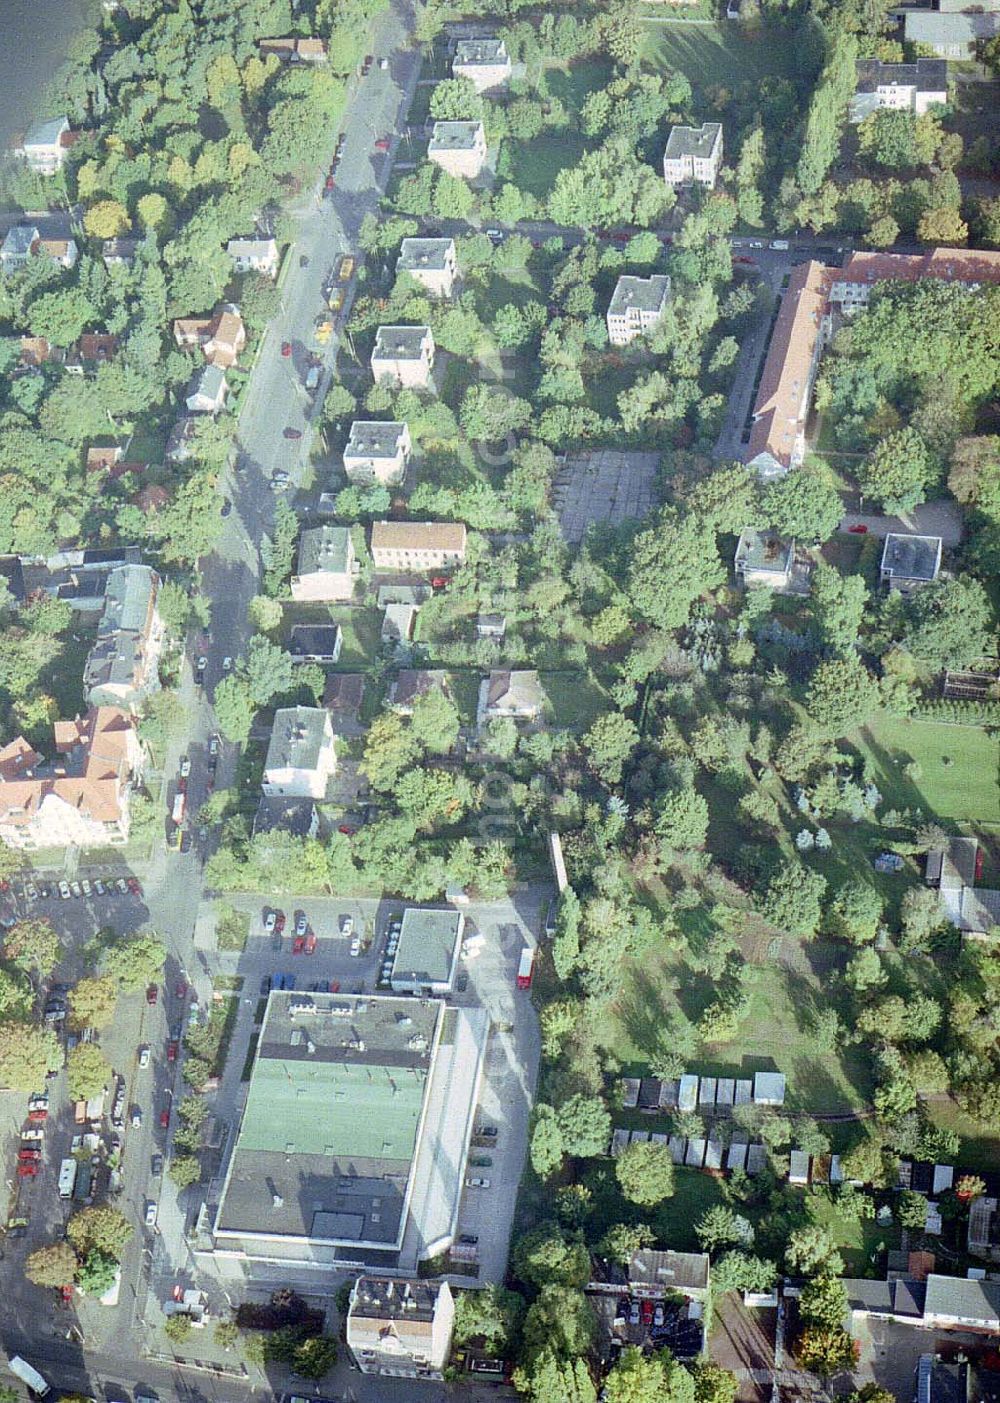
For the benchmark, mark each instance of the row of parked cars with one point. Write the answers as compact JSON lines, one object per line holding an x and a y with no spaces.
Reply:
{"x":113,"y":886}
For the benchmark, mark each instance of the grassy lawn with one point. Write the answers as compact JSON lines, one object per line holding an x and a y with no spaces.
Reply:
{"x":572,"y":83}
{"x":362,"y":629}
{"x":959,"y":767}
{"x":534,"y":165}
{"x":980,"y":1150}
{"x":861,"y":1243}
{"x":710,"y":56}
{"x":694,"y":1193}
{"x":577,"y":698}
{"x":777,"y":1032}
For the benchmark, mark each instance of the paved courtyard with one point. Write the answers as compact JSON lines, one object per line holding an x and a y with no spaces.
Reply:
{"x":607,"y":485}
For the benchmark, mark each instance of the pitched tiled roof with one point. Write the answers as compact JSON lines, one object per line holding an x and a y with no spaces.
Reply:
{"x":789,"y":362}
{"x":965,"y":265}
{"x":418,"y":535}
{"x":95,"y":751}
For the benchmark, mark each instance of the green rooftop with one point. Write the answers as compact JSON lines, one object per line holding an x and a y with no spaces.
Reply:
{"x":337,"y":1109}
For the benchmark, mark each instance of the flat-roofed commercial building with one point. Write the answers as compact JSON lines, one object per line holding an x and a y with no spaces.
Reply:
{"x":351,"y":1152}
{"x":427,"y":956}
{"x":458,"y":148}
{"x":430,"y":262}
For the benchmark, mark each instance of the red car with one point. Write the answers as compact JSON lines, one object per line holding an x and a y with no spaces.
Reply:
{"x":135,"y":886}
{"x":152,"y":994}
{"x":29,"y":1155}
{"x":334,"y":986}
{"x":165,"y":1117}
{"x":298,"y":945}
{"x":293,"y":433}
{"x":329,"y":182}
{"x":27,"y":1169}
{"x":279,"y":922}
{"x":181,"y":988}
{"x":647,"y":1312}
{"x":66,"y":1292}
{"x":346,"y":828}
{"x":439,"y":582}
{"x":286,"y":349}
{"x":171,"y":1052}
{"x":382,"y":144}
{"x":310,"y":943}
{"x":859,"y":530}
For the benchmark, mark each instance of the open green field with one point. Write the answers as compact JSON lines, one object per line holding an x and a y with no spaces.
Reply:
{"x":860,"y":1243}
{"x":572,"y":82}
{"x":979,"y":1149}
{"x":778,"y":1032}
{"x":711,"y":56}
{"x":577,"y":698}
{"x":959,"y":777}
{"x":534,"y":165}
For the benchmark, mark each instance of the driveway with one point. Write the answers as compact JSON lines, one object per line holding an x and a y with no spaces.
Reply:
{"x":942,"y":519}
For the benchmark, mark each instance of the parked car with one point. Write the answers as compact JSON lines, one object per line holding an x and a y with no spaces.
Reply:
{"x":76,"y":889}
{"x":301,"y":923}
{"x":135,"y":886}
{"x":468,"y":1239}
{"x":156,"y":1166}
{"x":152,"y":994}
{"x":270,"y":920}
{"x":382,"y":144}
{"x":171,"y":1051}
{"x":356,"y":945}
{"x":279,"y":921}
{"x":292,"y":433}
{"x":185,"y":766}
{"x":347,"y":925}
{"x":64,"y":891}
{"x":31,"y":891}
{"x":87,"y":888}
{"x":99,"y":886}
{"x":121,"y":886}
{"x":144,"y":1055}
{"x":286,"y":349}
{"x":136,"y":1117}
{"x":181,"y":988}
{"x":165,"y":1117}
{"x":150,"y":1213}
{"x":475,"y":1181}
{"x":298,"y":945}
{"x":265,"y":986}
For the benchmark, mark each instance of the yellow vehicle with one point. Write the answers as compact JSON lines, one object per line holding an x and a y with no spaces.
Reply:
{"x":346,"y":270}
{"x":324,"y":330}
{"x":336,"y":299}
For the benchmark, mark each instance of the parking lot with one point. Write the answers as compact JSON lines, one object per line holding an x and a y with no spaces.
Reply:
{"x":488,"y":980}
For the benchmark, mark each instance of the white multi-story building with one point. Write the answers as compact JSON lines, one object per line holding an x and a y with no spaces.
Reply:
{"x":637,"y":307}
{"x":458,"y":148}
{"x":693,"y":155}
{"x":254,"y":256}
{"x":404,"y":354}
{"x":400,"y":1328}
{"x":430,"y":262}
{"x":46,"y":144}
{"x":898,"y":87}
{"x":417,"y":546}
{"x":302,"y":753}
{"x":327,"y":566}
{"x":377,"y":452}
{"x":485,"y":62}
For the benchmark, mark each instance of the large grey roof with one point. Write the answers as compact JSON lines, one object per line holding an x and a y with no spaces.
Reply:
{"x":974,"y":1301}
{"x":426,"y":945}
{"x":425,"y":253}
{"x":648,"y":294}
{"x":697,"y":142}
{"x":678,"y":1270}
{"x":911,"y":557}
{"x":46,"y":132}
{"x":324,"y":548}
{"x":19,"y":239}
{"x":932,"y":27}
{"x":400,"y":342}
{"x":927,"y":75}
{"x":372,"y":438}
{"x":455,"y":136}
{"x":763,"y":550}
{"x":121,"y":634}
{"x":297,"y":738}
{"x":480,"y":51}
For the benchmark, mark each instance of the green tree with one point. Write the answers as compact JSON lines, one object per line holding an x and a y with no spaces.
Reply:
{"x":492,"y":414}
{"x":136,"y":962}
{"x":823,"y":1300}
{"x":54,"y":1265}
{"x":585,"y":1125}
{"x":32,"y":945}
{"x":645,"y":1173}
{"x":315,"y":1357}
{"x":942,"y":226}
{"x":566,"y":942}
{"x":185,"y":1170}
{"x":61,"y":316}
{"x":234,"y":709}
{"x":838,"y":604}
{"x":793,"y":898}
{"x":390,"y":749}
{"x":106,"y":220}
{"x":656,"y":1378}
{"x":950,"y":623}
{"x":27,"y":1055}
{"x":456,"y":100}
{"x":827,"y":109}
{"x":266,"y":669}
{"x":824,"y":1350}
{"x":842,"y":695}
{"x":682,"y":821}
{"x":492,"y":1315}
{"x":88,"y":1071}
{"x":672,"y":564}
{"x":549,"y":1378}
{"x":622,"y":1240}
{"x":101,"y":1229}
{"x":802,"y":504}
{"x":609,"y":743}
{"x":547,"y":1148}
{"x":854,"y":912}
{"x":547,"y":1257}
{"x":96,"y":1273}
{"x":898,"y":471}
{"x":177,"y":1328}
{"x":811,"y":1249}
{"x":911,"y":1209}
{"x":712,"y":1383}
{"x":719,"y":1226}
{"x":435,"y":722}
{"x":92,"y":1002}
